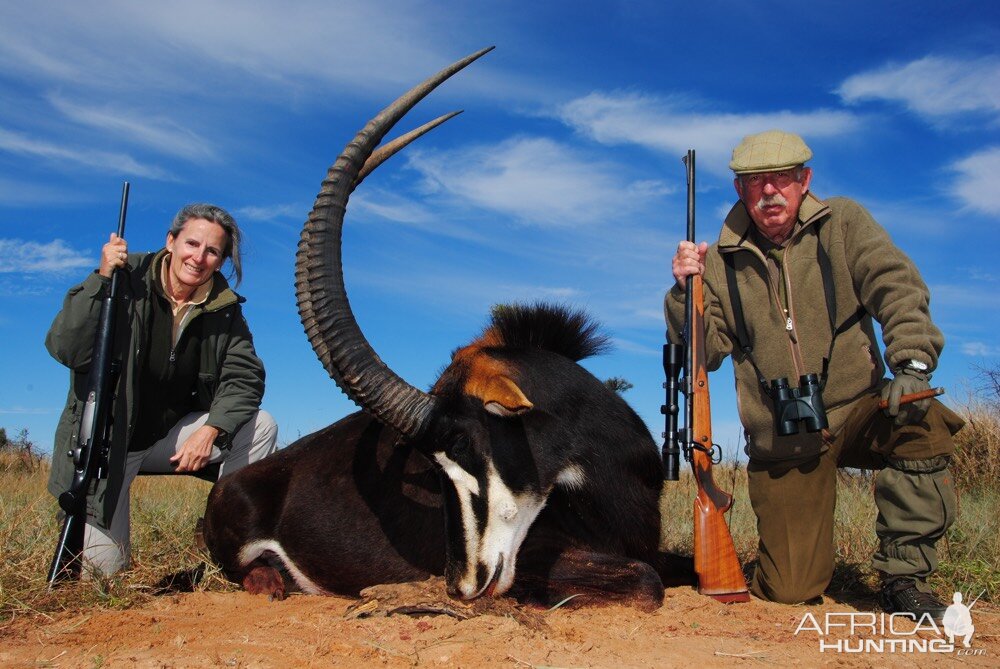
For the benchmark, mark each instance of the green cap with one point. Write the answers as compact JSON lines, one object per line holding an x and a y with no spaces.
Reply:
{"x":768,"y":152}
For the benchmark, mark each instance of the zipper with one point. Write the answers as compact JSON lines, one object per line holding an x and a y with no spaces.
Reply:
{"x":775,"y":293}
{"x":774,"y":283}
{"x":773,"y":287}
{"x":180,"y":331}
{"x":189,"y":316}
{"x":793,"y":338}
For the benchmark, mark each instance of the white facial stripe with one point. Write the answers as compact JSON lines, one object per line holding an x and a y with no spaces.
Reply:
{"x":571,"y":478}
{"x":461,"y":478}
{"x":466,"y":486}
{"x":510,"y":518}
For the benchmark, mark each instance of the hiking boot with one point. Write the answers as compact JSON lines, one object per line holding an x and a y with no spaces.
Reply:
{"x":901,"y":595}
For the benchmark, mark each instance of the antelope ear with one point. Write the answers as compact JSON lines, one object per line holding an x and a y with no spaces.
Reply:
{"x":502,"y":397}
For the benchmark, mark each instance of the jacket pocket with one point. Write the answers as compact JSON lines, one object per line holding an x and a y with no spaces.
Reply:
{"x":67,"y":434}
{"x":207,"y":384}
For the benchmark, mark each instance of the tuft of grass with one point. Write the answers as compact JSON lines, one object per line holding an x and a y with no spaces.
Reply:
{"x":976,"y":465}
{"x":164,"y":512}
{"x":18,"y":454}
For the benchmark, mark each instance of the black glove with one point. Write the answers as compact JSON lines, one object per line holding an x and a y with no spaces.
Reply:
{"x":905,"y":382}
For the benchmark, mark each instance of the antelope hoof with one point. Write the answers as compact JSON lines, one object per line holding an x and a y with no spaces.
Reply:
{"x":265,"y":580}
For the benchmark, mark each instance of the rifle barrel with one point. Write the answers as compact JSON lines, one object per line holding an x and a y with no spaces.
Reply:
{"x":689,"y":161}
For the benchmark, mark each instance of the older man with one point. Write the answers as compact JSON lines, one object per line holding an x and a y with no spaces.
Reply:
{"x":792,"y":288}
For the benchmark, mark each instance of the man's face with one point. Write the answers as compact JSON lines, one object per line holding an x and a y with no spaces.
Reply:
{"x":773,"y":199}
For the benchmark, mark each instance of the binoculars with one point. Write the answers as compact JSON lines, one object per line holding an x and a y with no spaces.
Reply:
{"x":794,"y":405}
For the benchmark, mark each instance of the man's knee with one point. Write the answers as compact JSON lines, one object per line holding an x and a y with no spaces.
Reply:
{"x":787,"y":588}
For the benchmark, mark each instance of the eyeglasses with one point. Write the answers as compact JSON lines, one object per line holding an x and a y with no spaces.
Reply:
{"x":779,"y":179}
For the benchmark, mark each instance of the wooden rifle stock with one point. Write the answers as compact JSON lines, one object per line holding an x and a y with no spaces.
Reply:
{"x":719,"y":573}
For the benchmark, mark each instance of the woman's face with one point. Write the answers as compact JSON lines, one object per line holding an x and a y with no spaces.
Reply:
{"x":196,"y":253}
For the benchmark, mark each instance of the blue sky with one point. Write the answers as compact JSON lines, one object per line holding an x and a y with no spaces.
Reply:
{"x":562,"y":180}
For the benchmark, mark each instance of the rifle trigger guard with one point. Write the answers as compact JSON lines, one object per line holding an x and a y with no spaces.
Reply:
{"x":715,"y":452}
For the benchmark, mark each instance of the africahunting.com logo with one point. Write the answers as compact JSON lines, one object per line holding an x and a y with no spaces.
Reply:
{"x":881,"y":633}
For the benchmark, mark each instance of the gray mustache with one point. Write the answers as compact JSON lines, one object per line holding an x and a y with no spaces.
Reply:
{"x":771,"y":201}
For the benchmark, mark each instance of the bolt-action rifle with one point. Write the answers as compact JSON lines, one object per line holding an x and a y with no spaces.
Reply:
{"x":715,"y":563}
{"x":90,"y":453}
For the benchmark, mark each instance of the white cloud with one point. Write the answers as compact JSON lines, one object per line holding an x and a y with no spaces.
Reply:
{"x":239,"y":46}
{"x":980,"y":349}
{"x":17,"y":193}
{"x":109,"y":162}
{"x":932,"y":86}
{"x":674,"y":125}
{"x":55,"y":257}
{"x":272,"y":211}
{"x":964,"y":296}
{"x":393,"y":207}
{"x":630,"y":346}
{"x":157,"y":132}
{"x":536,"y":181}
{"x":722,"y":211}
{"x":522,"y":293}
{"x":912,"y":218}
{"x":976,"y":184}
{"x":382,"y":205}
{"x":460,"y":291}
{"x":20,"y":289}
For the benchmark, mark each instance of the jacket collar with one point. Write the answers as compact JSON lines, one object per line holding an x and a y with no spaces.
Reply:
{"x":738,"y":225}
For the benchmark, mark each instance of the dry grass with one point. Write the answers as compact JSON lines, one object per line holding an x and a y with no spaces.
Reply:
{"x":969,"y":553}
{"x":976,"y":465}
{"x":165,"y":510}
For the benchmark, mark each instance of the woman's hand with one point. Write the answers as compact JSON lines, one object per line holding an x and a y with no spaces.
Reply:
{"x":114,"y":254}
{"x":197,"y":450}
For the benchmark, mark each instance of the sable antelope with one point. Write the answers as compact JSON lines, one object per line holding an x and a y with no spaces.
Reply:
{"x":519,"y":471}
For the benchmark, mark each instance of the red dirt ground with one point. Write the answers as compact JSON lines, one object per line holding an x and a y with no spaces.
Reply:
{"x":240,"y":630}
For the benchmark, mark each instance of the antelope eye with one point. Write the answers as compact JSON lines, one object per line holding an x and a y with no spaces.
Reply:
{"x":459,"y":445}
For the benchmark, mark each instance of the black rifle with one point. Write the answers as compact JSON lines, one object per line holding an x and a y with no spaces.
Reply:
{"x":90,"y":454}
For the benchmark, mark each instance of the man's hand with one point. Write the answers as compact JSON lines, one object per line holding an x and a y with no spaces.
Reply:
{"x":906,"y":382}
{"x":690,"y":260}
{"x":197,"y":450}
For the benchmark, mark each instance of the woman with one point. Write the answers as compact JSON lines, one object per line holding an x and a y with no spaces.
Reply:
{"x":190,"y":383}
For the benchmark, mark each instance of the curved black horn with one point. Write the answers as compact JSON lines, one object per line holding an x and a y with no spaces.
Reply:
{"x":319,"y":274}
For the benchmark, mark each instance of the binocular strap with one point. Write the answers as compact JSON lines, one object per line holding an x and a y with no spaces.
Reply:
{"x":829,"y":293}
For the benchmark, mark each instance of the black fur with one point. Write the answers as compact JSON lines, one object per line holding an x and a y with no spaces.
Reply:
{"x":559,"y":329}
{"x":352,"y":506}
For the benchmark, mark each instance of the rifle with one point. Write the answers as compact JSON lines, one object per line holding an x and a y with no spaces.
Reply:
{"x":91,"y":450}
{"x":715,"y":562}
